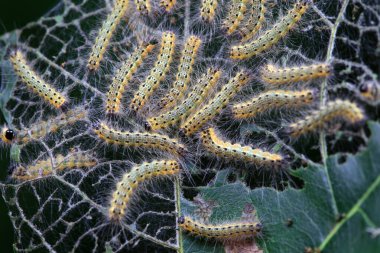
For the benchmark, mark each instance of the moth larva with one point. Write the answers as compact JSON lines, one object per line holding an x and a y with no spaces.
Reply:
{"x":235,"y":15}
{"x":273,"y":75}
{"x":229,"y":231}
{"x":105,"y":33}
{"x":255,"y":20}
{"x":208,"y":10}
{"x":139,"y":139}
{"x":130,"y":181}
{"x":124,"y":76}
{"x":185,"y":69}
{"x":168,"y":4}
{"x":215,"y":105}
{"x":271,"y":100}
{"x":34,"y":82}
{"x":225,"y":149}
{"x":270,"y":37}
{"x":338,"y":109}
{"x":143,"y":6}
{"x":157,"y":74}
{"x":195,"y":98}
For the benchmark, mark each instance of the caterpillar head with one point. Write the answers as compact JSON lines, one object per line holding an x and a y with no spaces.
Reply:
{"x":8,"y":135}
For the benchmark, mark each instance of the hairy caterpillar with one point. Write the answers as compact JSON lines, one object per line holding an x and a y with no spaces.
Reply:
{"x":236,"y":151}
{"x":34,"y":82}
{"x":228,"y":231}
{"x":123,"y":77}
{"x":157,"y":74}
{"x":44,"y":168}
{"x":130,"y":181}
{"x":272,"y":99}
{"x":255,"y":20}
{"x":216,"y":104}
{"x":338,"y":109}
{"x":38,"y":130}
{"x":208,"y":10}
{"x":272,"y":36}
{"x":105,"y":34}
{"x":195,"y":98}
{"x":185,"y":69}
{"x":143,"y":6}
{"x":139,"y":139}
{"x":370,"y":90}
{"x":273,"y":75}
{"x":235,"y":15}
{"x":168,"y":4}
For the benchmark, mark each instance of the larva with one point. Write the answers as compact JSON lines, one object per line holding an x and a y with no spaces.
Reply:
{"x":255,"y":20}
{"x":271,"y":100}
{"x":370,"y":91}
{"x":273,"y":75}
{"x":139,"y":139}
{"x":123,"y":77}
{"x":230,"y":231}
{"x":157,"y":74}
{"x":34,"y":82}
{"x":235,"y":15}
{"x":215,"y":105}
{"x":208,"y":10}
{"x":227,"y":150}
{"x":270,"y":37}
{"x":195,"y":98}
{"x":139,"y":174}
{"x":168,"y":4}
{"x":143,"y":6}
{"x":105,"y":33}
{"x":185,"y":69}
{"x":338,"y":109}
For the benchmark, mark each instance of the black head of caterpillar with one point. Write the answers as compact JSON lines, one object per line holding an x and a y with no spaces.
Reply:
{"x":8,"y":135}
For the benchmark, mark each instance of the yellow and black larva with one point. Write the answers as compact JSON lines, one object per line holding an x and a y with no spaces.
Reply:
{"x":143,"y":6}
{"x":215,"y":105}
{"x":333,"y":110}
{"x":208,"y":10}
{"x":272,"y":36}
{"x":185,"y":70}
{"x":227,"y":150}
{"x":34,"y":82}
{"x":139,"y":139}
{"x":198,"y":94}
{"x":168,"y":4}
{"x":130,"y":181}
{"x":256,"y":18}
{"x":157,"y":74}
{"x":273,"y":99}
{"x":124,"y":76}
{"x":235,"y":15}
{"x":234,"y":231}
{"x":276,"y":76}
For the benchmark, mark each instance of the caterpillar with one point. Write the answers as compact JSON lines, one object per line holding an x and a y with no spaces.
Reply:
{"x":139,"y":139}
{"x":215,"y":105}
{"x":44,"y":168}
{"x":34,"y":82}
{"x":143,"y":6}
{"x":255,"y":20}
{"x":271,"y":100}
{"x":41,"y":129}
{"x":130,"y":181}
{"x":273,"y":75}
{"x":230,"y":231}
{"x":168,"y":4}
{"x":157,"y":74}
{"x":235,"y":15}
{"x":195,"y":98}
{"x":270,"y":37}
{"x":105,"y":33}
{"x":227,"y":150}
{"x":208,"y":10}
{"x":338,"y":109}
{"x":185,"y":69}
{"x":370,"y":91}
{"x":123,"y":77}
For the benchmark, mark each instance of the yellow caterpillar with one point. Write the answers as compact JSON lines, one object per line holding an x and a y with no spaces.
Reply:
{"x":255,"y":20}
{"x":34,"y":82}
{"x":272,"y":36}
{"x":168,"y":4}
{"x":130,"y":181}
{"x":208,"y":10}
{"x":143,"y":6}
{"x":271,"y":100}
{"x":216,"y":104}
{"x":235,"y":15}
{"x":124,"y":76}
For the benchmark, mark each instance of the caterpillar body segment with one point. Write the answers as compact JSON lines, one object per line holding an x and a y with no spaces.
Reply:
{"x":143,"y":6}
{"x":272,"y":36}
{"x":157,"y":74}
{"x":131,"y":180}
{"x":105,"y":33}
{"x":215,"y":105}
{"x":235,"y":15}
{"x":273,"y":99}
{"x":256,"y":19}
{"x":208,"y":10}
{"x":333,"y":110}
{"x":31,"y":79}
{"x":225,"y":149}
{"x":198,"y":94}
{"x":168,"y":4}
{"x":370,"y":90}
{"x":124,"y":76}
{"x":185,"y":70}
